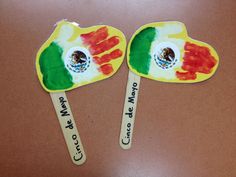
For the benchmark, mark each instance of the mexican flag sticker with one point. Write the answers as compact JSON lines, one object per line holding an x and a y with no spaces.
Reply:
{"x":75,"y":56}
{"x":163,"y":51}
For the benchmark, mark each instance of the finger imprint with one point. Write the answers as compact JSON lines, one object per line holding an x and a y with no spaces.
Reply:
{"x":104,"y":45}
{"x":93,"y":38}
{"x":108,"y":57}
{"x":106,"y":69}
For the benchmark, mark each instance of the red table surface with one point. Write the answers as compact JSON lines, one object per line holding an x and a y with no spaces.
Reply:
{"x":185,"y":130}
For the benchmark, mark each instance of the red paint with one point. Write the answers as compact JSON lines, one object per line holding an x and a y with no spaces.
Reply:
{"x":196,"y":49}
{"x":186,"y":75}
{"x":104,"y":45}
{"x":93,"y":38}
{"x":116,"y":53}
{"x":196,"y":59}
{"x":85,"y":37}
{"x":98,"y":43}
{"x":106,"y":69}
{"x":108,"y":57}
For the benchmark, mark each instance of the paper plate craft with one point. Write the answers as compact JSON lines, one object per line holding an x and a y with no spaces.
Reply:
{"x":73,"y":57}
{"x":164,"y":52}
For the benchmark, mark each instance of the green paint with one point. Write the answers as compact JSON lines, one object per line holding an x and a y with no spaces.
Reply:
{"x":55,"y":75}
{"x":140,"y":50}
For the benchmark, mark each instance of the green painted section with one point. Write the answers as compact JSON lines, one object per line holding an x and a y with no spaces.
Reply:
{"x":55,"y":75}
{"x":140,"y":50}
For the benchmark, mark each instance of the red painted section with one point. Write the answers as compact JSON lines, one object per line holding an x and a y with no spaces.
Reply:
{"x":93,"y":38}
{"x":98,"y":42}
{"x":85,"y":37}
{"x":186,"y":75}
{"x":116,"y":53}
{"x":108,"y":57}
{"x":196,"y":59}
{"x":106,"y":69}
{"x":104,"y":45}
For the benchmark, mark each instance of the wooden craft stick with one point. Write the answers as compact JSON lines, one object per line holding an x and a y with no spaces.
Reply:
{"x":129,"y":110}
{"x":68,"y":127}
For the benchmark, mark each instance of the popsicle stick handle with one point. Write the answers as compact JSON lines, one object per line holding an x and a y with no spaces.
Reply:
{"x":128,"y":117}
{"x":68,"y":127}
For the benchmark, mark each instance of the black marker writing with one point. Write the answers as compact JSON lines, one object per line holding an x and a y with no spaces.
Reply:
{"x":126,"y":139}
{"x":63,"y":106}
{"x":78,"y":156}
{"x":133,"y":93}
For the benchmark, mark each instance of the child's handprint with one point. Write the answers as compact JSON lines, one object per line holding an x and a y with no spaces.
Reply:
{"x":99,"y":42}
{"x":75,"y":56}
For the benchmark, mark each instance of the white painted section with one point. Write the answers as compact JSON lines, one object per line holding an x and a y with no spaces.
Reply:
{"x":65,"y":33}
{"x":176,"y":44}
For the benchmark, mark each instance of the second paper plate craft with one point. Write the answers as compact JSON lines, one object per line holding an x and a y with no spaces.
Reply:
{"x":163,"y":51}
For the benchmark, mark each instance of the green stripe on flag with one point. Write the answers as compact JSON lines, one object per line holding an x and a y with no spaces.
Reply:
{"x":140,"y":50}
{"x":55,"y":75}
